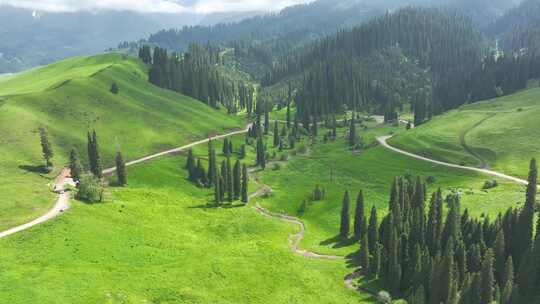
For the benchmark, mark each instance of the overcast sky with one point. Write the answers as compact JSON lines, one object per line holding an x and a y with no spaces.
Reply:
{"x":171,"y":6}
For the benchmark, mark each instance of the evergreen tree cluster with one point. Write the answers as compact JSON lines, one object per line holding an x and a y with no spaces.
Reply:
{"x":441,"y":64}
{"x":196,"y":74}
{"x":230,"y":182}
{"x":425,"y":255}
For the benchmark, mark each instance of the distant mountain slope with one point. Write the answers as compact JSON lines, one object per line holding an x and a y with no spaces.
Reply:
{"x":29,"y":39}
{"x":140,"y":120}
{"x":519,"y":27}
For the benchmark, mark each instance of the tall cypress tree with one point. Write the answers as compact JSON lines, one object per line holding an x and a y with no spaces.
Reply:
{"x":190,"y":165}
{"x":121,"y":173}
{"x":276,"y":134}
{"x":230,"y":181}
{"x":46,"y":147}
{"x":217,"y":186}
{"x":364,"y":250}
{"x":527,"y":214}
{"x":352,"y":133}
{"x":345,"y":226}
{"x":373,"y":234}
{"x":261,"y":153}
{"x":487,"y":278}
{"x":75,"y":165}
{"x":237,"y":180}
{"x":212,"y":164}
{"x":359,"y":217}
{"x":266,"y":123}
{"x":245,"y":179}
{"x":97,"y":156}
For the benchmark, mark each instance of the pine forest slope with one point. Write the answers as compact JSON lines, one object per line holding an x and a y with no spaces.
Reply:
{"x":73,"y":96}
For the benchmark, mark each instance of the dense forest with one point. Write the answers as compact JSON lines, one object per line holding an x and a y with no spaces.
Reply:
{"x":194,"y":73}
{"x":519,"y":27}
{"x":426,"y":255}
{"x":460,"y":67}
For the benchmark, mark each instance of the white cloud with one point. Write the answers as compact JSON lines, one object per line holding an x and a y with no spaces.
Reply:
{"x":170,"y":6}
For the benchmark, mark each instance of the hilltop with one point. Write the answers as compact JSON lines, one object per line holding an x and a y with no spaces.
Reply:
{"x":73,"y":96}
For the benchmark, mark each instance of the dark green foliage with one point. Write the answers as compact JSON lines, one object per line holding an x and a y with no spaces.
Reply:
{"x":318,"y":194}
{"x":145,"y":54}
{"x":261,"y":152}
{"x":373,"y":236}
{"x":195,"y":73}
{"x":352,"y":133}
{"x":527,"y":214}
{"x":360,"y":224}
{"x":94,"y":157}
{"x":230,"y":181}
{"x":46,"y":148}
{"x":212,"y":165}
{"x":345,"y":217}
{"x":75,"y":165}
{"x":121,"y":172}
{"x":114,"y":88}
{"x":90,"y":189}
{"x":276,"y":134}
{"x":245,"y":179}
{"x":190,"y":166}
{"x":487,"y":278}
{"x":364,"y":251}
{"x":237,"y":180}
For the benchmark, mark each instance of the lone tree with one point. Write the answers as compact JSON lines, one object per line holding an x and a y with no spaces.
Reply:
{"x":261,"y":153}
{"x":75,"y":165}
{"x":237,"y":180}
{"x":114,"y":88}
{"x":93,"y":155}
{"x":190,"y":166}
{"x":46,"y":147}
{"x":245,"y":178}
{"x":352,"y":133}
{"x":344,"y":228}
{"x":121,"y":173}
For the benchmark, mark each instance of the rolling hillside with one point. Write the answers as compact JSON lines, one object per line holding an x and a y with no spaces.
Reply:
{"x":501,"y":134}
{"x":69,"y":98}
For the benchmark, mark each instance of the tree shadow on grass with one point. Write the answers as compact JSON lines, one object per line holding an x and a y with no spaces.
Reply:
{"x":41,"y":169}
{"x":214,"y":206}
{"x":338,"y":242}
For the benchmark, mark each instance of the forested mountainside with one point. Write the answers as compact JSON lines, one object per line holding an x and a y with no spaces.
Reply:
{"x":520,"y":27}
{"x":444,"y":43}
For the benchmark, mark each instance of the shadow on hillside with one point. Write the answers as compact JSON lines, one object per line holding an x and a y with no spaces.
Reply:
{"x":214,"y":206}
{"x":35,"y":169}
{"x":338,"y":242}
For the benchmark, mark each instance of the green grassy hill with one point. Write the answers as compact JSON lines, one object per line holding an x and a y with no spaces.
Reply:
{"x":69,"y":98}
{"x":501,"y":133}
{"x":157,"y":242}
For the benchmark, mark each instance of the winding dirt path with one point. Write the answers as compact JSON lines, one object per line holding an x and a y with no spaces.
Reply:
{"x":467,"y":148}
{"x":383,"y":140}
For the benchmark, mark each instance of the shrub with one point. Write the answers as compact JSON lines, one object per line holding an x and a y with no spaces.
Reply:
{"x":276,"y":167}
{"x":431,"y":179}
{"x":318,"y":194}
{"x":490,"y":184}
{"x":303,"y":150}
{"x":284,"y":157}
{"x":114,"y":88}
{"x":90,"y":189}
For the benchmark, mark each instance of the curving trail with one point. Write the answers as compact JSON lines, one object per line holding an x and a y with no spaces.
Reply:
{"x":383,"y":140}
{"x":64,"y":179}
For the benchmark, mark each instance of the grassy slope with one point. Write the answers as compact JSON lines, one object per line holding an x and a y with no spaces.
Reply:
{"x":72,"y":96}
{"x":503,"y":132}
{"x":156,"y":243}
{"x":371,"y":171}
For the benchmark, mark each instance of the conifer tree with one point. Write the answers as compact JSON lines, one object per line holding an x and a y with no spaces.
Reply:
{"x":266,"y":123}
{"x":190,"y":165}
{"x":527,"y":214}
{"x":276,"y":134}
{"x":364,"y":250}
{"x":230,"y":182}
{"x":487,"y":278}
{"x":245,"y":179}
{"x":261,"y":153}
{"x":237,"y":180}
{"x":508,"y":282}
{"x":373,"y":234}
{"x":359,"y":217}
{"x":225,"y":149}
{"x":289,"y":114}
{"x":217,"y":187}
{"x":212,"y":164}
{"x":499,"y":249}
{"x":75,"y":166}
{"x":345,"y":226}
{"x":352,"y":133}
{"x":46,"y":147}
{"x":121,"y":173}
{"x":94,"y":156}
